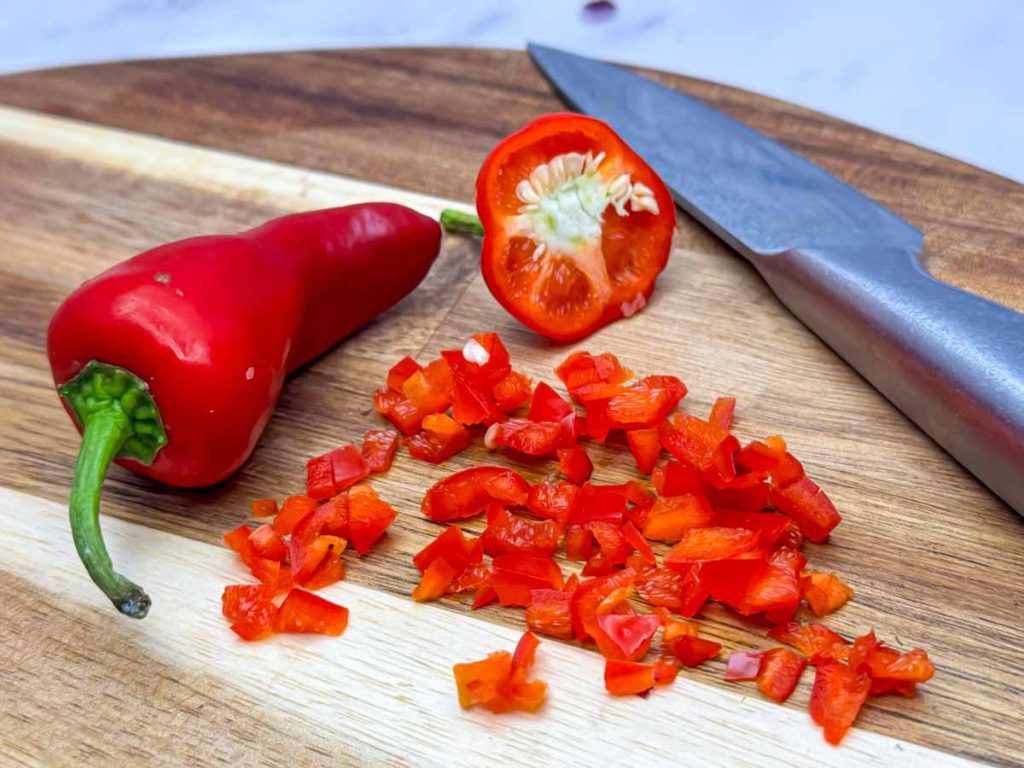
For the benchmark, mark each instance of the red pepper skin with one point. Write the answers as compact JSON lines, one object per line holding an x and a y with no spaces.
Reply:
{"x":208,"y":328}
{"x":693,"y":651}
{"x":836,"y":699}
{"x":629,"y":636}
{"x":306,"y":613}
{"x":780,"y":672}
{"x":213,"y":324}
{"x":622,"y":678}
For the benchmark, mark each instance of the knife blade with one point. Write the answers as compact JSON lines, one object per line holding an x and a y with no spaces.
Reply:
{"x":846,"y":265}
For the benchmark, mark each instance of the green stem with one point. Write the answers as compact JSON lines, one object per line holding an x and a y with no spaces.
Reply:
{"x":119,"y":419}
{"x":105,"y":434}
{"x":459,"y":221}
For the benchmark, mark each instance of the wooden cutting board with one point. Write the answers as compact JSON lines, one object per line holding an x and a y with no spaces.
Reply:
{"x":98,"y":163}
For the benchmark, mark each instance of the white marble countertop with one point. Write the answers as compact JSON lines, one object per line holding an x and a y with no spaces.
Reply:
{"x":945,"y":74}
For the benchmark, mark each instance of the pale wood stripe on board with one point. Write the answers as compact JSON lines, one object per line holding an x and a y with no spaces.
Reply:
{"x":385,"y":689}
{"x":262,"y":182}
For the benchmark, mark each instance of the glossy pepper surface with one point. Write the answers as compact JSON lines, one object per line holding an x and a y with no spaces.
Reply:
{"x":171,"y":362}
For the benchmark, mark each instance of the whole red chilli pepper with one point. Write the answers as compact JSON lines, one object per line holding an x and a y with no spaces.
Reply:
{"x":171,"y":362}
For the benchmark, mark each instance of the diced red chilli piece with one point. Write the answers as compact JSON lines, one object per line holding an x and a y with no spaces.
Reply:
{"x":754,"y":584}
{"x":250,"y":610}
{"x":666,"y":669}
{"x":472,"y":399}
{"x":320,"y":477}
{"x":770,"y":526}
{"x":629,"y":636}
{"x":722,"y":413}
{"x":672,"y":516}
{"x":672,"y":629}
{"x":467,"y":493}
{"x":401,"y":371}
{"x":660,"y":587}
{"x":638,"y":407}
{"x":379,"y":446}
{"x":549,"y":613}
{"x":579,"y":542}
{"x":515,"y":576}
{"x":594,"y":503}
{"x":333,"y":516}
{"x":507,"y":534}
{"x":759,"y":457}
{"x":263,"y":507}
{"x":430,"y":390}
{"x":450,"y":545}
{"x":267,"y":543}
{"x":636,"y":492}
{"x":485,"y":595}
{"x":238,"y":540}
{"x":486,"y":358}
{"x":440,"y":439}
{"x":435,"y":581}
{"x":507,"y":487}
{"x":743,"y":665}
{"x":691,"y":441}
{"x":399,"y":410}
{"x":498,"y":683}
{"x":808,"y":505}
{"x":547,"y":405}
{"x":910,"y":667}
{"x":825,"y":593}
{"x":645,"y":445}
{"x":693,"y":651}
{"x":511,"y":391}
{"x":859,"y":651}
{"x":676,"y":479}
{"x":744,"y":493}
{"x":837,"y":697}
{"x":293,"y":509}
{"x":637,"y":514}
{"x":368,"y":517}
{"x":613,"y":549}
{"x":597,"y":422}
{"x":330,"y":571}
{"x":474,"y":577}
{"x":815,"y":641}
{"x":590,"y":596}
{"x":335,"y":471}
{"x":307,"y":546}
{"x":575,"y":464}
{"x":780,"y":672}
{"x":637,"y":541}
{"x":708,"y":544}
{"x":305,"y":612}
{"x":552,"y":502}
{"x":531,"y":438}
{"x":623,"y":678}
{"x":582,"y":368}
{"x":671,"y":384}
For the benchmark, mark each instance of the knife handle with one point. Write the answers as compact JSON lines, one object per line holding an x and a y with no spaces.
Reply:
{"x":950,"y":360}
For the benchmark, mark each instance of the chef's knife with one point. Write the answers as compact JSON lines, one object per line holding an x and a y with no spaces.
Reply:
{"x":843,"y":263}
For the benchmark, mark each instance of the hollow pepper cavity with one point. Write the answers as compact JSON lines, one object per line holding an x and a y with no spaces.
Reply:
{"x":170,"y":363}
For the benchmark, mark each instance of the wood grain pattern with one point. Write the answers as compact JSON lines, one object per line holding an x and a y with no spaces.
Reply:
{"x":919,"y":535}
{"x":374,"y":697}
